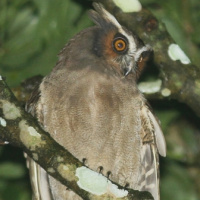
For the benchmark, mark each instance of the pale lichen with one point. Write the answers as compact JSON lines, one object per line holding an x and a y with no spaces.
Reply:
{"x":128,"y":5}
{"x":67,"y":171}
{"x":91,"y":181}
{"x":60,"y":159}
{"x":150,"y":87}
{"x":50,"y":170}
{"x":33,"y":132}
{"x":35,"y":156}
{"x":114,"y":190}
{"x":176,"y":53}
{"x":29,"y":136}
{"x":166,"y":92}
{"x":10,"y":111}
{"x":1,"y":78}
{"x":3,"y":122}
{"x":97,"y":184}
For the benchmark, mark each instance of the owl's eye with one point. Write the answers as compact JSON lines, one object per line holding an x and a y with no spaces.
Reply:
{"x":120,"y":45}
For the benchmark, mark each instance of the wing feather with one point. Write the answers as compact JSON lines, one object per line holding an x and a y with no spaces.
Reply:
{"x":160,"y":140}
{"x":153,"y":143}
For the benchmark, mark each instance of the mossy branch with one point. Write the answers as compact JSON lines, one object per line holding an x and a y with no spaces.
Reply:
{"x":20,"y":129}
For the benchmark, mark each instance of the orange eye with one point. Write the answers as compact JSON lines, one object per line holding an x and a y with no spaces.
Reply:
{"x":120,"y":45}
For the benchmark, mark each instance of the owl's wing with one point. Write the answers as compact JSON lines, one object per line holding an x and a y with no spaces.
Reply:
{"x":159,"y":137}
{"x":38,"y":176}
{"x":153,"y":143}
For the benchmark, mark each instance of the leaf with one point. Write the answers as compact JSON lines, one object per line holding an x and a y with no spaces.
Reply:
{"x":35,"y":33}
{"x":11,"y":170}
{"x":177,"y":184}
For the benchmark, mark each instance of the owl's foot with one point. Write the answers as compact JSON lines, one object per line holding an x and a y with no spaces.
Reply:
{"x":109,"y":174}
{"x":126,"y":185}
{"x":100,"y":169}
{"x":84,"y":161}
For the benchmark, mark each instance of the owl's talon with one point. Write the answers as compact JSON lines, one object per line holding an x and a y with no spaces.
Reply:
{"x":126,"y":185}
{"x":100,"y":168}
{"x":84,"y":161}
{"x":109,"y":174}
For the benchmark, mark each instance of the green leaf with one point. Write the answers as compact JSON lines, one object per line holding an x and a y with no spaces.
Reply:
{"x":177,"y":184}
{"x":11,"y":170}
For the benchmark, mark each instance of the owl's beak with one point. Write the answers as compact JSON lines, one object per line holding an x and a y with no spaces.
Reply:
{"x":137,"y":62}
{"x":129,"y":65}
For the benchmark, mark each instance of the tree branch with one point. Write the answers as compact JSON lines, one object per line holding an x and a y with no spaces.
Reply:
{"x":20,"y":129}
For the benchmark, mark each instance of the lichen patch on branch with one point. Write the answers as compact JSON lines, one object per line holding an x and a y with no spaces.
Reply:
{"x":176,"y":53}
{"x":60,"y":159}
{"x":67,"y":171}
{"x":166,"y":92}
{"x":128,"y":5}
{"x":10,"y":111}
{"x":29,"y":136}
{"x":150,"y":87}
{"x":35,"y":156}
{"x":98,"y":184}
{"x":51,"y":170}
{"x":3,"y":122}
{"x":33,"y":132}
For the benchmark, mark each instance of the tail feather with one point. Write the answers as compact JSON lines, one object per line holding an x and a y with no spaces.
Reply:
{"x":150,"y":171}
{"x":39,"y":181}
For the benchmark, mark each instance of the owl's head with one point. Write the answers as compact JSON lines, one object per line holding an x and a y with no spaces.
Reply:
{"x":117,"y":44}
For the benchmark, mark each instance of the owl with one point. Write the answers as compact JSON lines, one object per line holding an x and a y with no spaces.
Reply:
{"x":90,"y":104}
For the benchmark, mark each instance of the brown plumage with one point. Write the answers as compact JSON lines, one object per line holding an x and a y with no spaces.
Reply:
{"x":91,"y":105}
